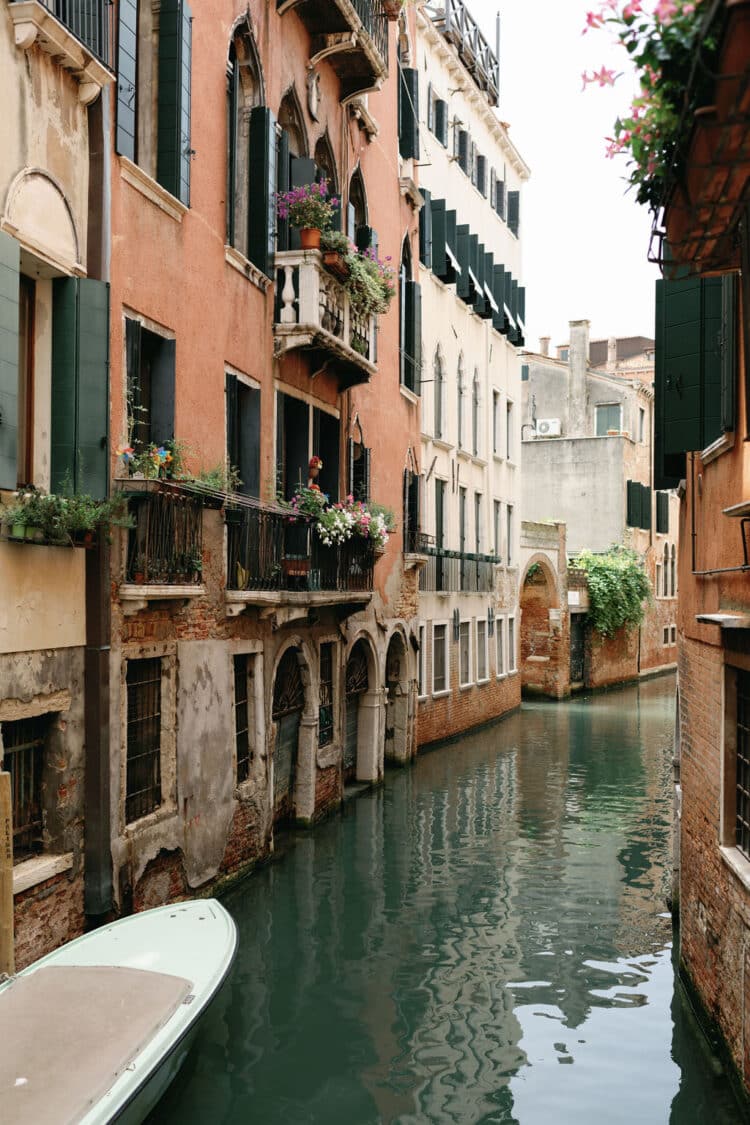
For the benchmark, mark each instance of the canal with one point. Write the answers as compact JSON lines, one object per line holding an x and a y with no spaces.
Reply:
{"x":485,"y":939}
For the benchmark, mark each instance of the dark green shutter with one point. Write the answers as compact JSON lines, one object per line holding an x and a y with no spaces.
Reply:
{"x":463,"y":253}
{"x":430,"y":111}
{"x":521,"y":314}
{"x":515,"y":334}
{"x":728,"y":351}
{"x":489,"y":281}
{"x":482,"y":174}
{"x":412,"y":336}
{"x":173,"y":138}
{"x":463,"y":150}
{"x":645,"y":507}
{"x":712,"y":359}
{"x":408,"y":133}
{"x":10,"y":253}
{"x":326,"y":445}
{"x":425,"y":231}
{"x":500,"y":198}
{"x":283,"y":183}
{"x":662,"y":513}
{"x":441,"y":121}
{"x":634,"y":500}
{"x":498,"y":318}
{"x":680,"y":347}
{"x":669,"y":468}
{"x":262,"y":210}
{"x":438,"y":224}
{"x":127,"y":54}
{"x":232,"y":104}
{"x":80,"y":386}
{"x":514,"y":211}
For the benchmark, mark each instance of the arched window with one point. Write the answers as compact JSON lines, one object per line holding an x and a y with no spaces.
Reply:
{"x":673,"y":571}
{"x":356,"y":212}
{"x":291,"y":122}
{"x":665,"y":572}
{"x":326,"y":164}
{"x":475,"y":403}
{"x":244,"y":92}
{"x":461,"y":396}
{"x":439,"y":389}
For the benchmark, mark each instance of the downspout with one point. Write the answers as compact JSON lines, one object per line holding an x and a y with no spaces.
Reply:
{"x":97,"y":797}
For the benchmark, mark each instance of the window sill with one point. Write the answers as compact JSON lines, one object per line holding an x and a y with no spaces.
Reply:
{"x":716,"y":448}
{"x":441,"y":443}
{"x":463,"y":454}
{"x":135,"y":176}
{"x":441,"y":694}
{"x":30,"y":872}
{"x":484,"y":680}
{"x":498,"y":457}
{"x":327,"y":756}
{"x":409,"y":395}
{"x":150,"y":820}
{"x":479,"y":461}
{"x":243,"y":265}
{"x":137,"y":596}
{"x":465,"y":687}
{"x":736,"y":862}
{"x":501,"y":675}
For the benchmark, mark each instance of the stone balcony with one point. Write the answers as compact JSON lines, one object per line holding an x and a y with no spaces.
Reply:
{"x":78,"y":34}
{"x":314,"y":313}
{"x":351,"y":34}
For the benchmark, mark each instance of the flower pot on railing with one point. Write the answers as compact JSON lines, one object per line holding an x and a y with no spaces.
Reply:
{"x":309,"y":238}
{"x":293,"y":567}
{"x":335,"y":263}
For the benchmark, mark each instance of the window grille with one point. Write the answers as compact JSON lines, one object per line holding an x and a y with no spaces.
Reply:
{"x":742,"y":822}
{"x":325,"y":713}
{"x":241,"y":717}
{"x":23,"y":741}
{"x":143,"y":785}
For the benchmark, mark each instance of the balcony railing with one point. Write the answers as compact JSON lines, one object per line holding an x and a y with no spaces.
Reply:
{"x":457,"y":572}
{"x":269,"y":551}
{"x":165,"y":547}
{"x":351,"y":34}
{"x":459,"y":26}
{"x":89,"y":20}
{"x":314,"y":310}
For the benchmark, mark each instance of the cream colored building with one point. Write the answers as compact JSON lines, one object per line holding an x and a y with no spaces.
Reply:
{"x":471,"y":177}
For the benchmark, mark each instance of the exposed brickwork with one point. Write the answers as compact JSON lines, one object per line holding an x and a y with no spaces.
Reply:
{"x":162,"y":881}
{"x":545,"y":641}
{"x":611,"y":660}
{"x":327,"y":790}
{"x":465,"y":708}
{"x":46,"y":916}
{"x":247,"y":841}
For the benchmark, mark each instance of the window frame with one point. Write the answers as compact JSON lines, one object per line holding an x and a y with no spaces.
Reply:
{"x":465,"y":631}
{"x":510,"y":445}
{"x":438,"y":692}
{"x":167,"y":654}
{"x":599,"y":406}
{"x":482,"y":646}
{"x":510,"y":650}
{"x":501,"y":670}
{"x":422,"y":661}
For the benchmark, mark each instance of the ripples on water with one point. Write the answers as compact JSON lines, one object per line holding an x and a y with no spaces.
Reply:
{"x":483,"y":940}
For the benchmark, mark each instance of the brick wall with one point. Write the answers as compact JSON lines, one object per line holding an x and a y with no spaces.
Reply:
{"x":464,"y":708}
{"x":545,"y":641}
{"x":46,"y":916}
{"x":611,"y":660}
{"x":327,"y":790}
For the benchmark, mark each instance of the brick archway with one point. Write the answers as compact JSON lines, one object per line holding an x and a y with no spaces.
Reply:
{"x":544,"y":631}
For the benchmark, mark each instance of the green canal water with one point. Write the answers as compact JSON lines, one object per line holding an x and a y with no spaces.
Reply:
{"x":485,"y":939}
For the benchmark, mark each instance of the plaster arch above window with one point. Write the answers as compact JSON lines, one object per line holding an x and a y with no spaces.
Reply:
{"x":291,"y":120}
{"x":38,"y":215}
{"x":325,"y":160}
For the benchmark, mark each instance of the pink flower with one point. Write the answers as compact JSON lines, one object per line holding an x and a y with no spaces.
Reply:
{"x":593,"y":19}
{"x":665,"y":10}
{"x":631,"y":10}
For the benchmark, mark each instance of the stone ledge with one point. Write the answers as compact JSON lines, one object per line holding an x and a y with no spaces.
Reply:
{"x":34,"y":23}
{"x":737,"y":863}
{"x":31,"y":872}
{"x":152,"y":190}
{"x":136,"y":596}
{"x":237,"y":260}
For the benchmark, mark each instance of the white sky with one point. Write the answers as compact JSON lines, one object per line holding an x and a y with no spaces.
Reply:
{"x":585,"y":241}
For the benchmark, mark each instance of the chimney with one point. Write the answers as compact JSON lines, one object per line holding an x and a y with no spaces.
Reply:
{"x":611,"y":351}
{"x":544,"y":345}
{"x":578,"y":361}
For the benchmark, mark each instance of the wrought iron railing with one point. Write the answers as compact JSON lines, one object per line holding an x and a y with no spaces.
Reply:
{"x":375,"y":24}
{"x":89,"y":20}
{"x":457,"y":572}
{"x":269,"y":551}
{"x":165,"y":545}
{"x":459,"y":26}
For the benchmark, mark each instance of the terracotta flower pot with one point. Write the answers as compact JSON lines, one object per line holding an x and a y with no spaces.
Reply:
{"x":335,"y":263}
{"x":309,"y":238}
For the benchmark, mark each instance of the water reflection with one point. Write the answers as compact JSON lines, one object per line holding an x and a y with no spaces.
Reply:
{"x":484,"y":940}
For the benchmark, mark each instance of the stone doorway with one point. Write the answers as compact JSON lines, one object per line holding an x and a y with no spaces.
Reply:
{"x":288,"y":705}
{"x":397,"y":746}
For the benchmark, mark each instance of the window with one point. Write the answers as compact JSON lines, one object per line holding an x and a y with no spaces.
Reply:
{"x":509,"y":532}
{"x":482,"y":174}
{"x":665,"y":572}
{"x":658,"y":579}
{"x":607,"y":418}
{"x":511,"y":644}
{"x":422,"y":662}
{"x":439,"y":391}
{"x":410,"y":324}
{"x":500,"y":646}
{"x":496,"y":422}
{"x":673,"y":571}
{"x":563,"y":354}
{"x":440,"y":118}
{"x":461,"y":397}
{"x":673,"y":634}
{"x":155,"y":132}
{"x":243,"y":433}
{"x":478,"y":542}
{"x":665,"y":635}
{"x":737,"y":744}
{"x":325,"y":708}
{"x":475,"y":403}
{"x":301,"y":432}
{"x":500,"y":197}
{"x":464,"y":653}
{"x":439,"y":659}
{"x":497,"y":509}
{"x":143,"y":739}
{"x":510,"y":444}
{"x":243,"y":93}
{"x":641,"y":424}
{"x":514,"y":212}
{"x":638,"y":508}
{"x":242,"y":710}
{"x":23,"y":743}
{"x":150,"y":386}
{"x":482,"y":651}
{"x":412,"y":512}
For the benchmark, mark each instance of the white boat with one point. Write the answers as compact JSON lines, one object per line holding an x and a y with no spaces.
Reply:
{"x":96,"y":1031}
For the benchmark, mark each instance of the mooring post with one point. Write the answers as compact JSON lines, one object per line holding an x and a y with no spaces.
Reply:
{"x":7,"y":959}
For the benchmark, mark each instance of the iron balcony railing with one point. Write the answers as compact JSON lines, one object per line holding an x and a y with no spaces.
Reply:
{"x":457,"y":572}
{"x":459,"y":26}
{"x":165,"y":545}
{"x":375,"y":24}
{"x":268,"y":550}
{"x":89,"y":20}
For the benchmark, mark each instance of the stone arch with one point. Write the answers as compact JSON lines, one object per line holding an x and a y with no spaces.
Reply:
{"x":438,"y":384}
{"x":291,"y":744}
{"x":326,"y":161}
{"x":541,"y":633}
{"x":39,"y":215}
{"x":245,"y":91}
{"x":358,"y":198}
{"x":461,"y":398}
{"x":292,"y":121}
{"x":397,"y":741}
{"x":362,"y":726}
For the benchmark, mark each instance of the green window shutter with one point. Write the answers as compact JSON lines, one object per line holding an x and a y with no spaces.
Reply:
{"x":10,"y":253}
{"x":262,"y":209}
{"x":500,"y":198}
{"x":515,"y":337}
{"x":681,"y":385}
{"x":463,"y":150}
{"x":498,"y":318}
{"x":127,"y":54}
{"x":80,"y":385}
{"x":438,"y":223}
{"x":408,"y":132}
{"x":669,"y":468}
{"x":430,"y":109}
{"x":711,"y":347}
{"x":463,"y":253}
{"x":645,"y":507}
{"x":728,"y":351}
{"x":662,"y":513}
{"x":283,"y":183}
{"x":173,"y":138}
{"x":441,"y":121}
{"x":514,"y":211}
{"x":634,"y":499}
{"x":425,"y":231}
{"x":232,"y":104}
{"x":412,"y":336}
{"x":482,"y":174}
{"x":476,"y":261}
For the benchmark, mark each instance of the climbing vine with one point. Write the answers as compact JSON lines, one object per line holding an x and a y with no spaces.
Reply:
{"x":618,"y":587}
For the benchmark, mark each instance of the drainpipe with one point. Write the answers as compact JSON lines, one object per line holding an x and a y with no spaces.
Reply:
{"x":97,"y":797}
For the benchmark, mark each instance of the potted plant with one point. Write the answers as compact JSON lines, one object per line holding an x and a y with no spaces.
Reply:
{"x":309,"y":209}
{"x":337,"y":249}
{"x":371,"y":283}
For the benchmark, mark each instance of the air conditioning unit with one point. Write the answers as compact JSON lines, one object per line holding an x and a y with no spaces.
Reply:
{"x":548,"y":427}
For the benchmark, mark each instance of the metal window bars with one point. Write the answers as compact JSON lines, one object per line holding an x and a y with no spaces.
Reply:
{"x":143,"y":742}
{"x":90,"y":21}
{"x":457,"y":571}
{"x":23,"y":742}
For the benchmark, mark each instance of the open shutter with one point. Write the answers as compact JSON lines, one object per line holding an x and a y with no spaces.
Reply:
{"x":408,"y":133}
{"x":80,"y":386}
{"x":500,"y":198}
{"x":233,"y":80}
{"x":249,"y":438}
{"x":514,"y":211}
{"x":162,"y":390}
{"x":127,"y":54}
{"x":498,"y":318}
{"x":10,"y":253}
{"x":463,"y":282}
{"x":634,"y":504}
{"x":412,"y":336}
{"x":728,"y":351}
{"x":645,"y":507}
{"x":669,"y":468}
{"x":463,"y":150}
{"x":262,"y":209}
{"x":233,"y":415}
{"x":477,"y":267}
{"x":441,"y":121}
{"x":173,"y":138}
{"x":283,"y":183}
{"x":326,"y":445}
{"x":437,"y":222}
{"x":425,"y":231}
{"x":711,"y":347}
{"x":430,"y":109}
{"x":662,"y":513}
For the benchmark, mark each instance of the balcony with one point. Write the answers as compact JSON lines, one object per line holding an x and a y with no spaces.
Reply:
{"x":314,"y":313}
{"x":453,"y":572}
{"x":351,"y":34}
{"x":280,"y":564}
{"x":460,"y":28}
{"x":77,"y":33}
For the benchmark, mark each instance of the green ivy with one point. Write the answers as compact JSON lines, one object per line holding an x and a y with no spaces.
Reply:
{"x":618,"y":588}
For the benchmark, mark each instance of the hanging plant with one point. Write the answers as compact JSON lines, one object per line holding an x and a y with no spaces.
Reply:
{"x":618,"y":588}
